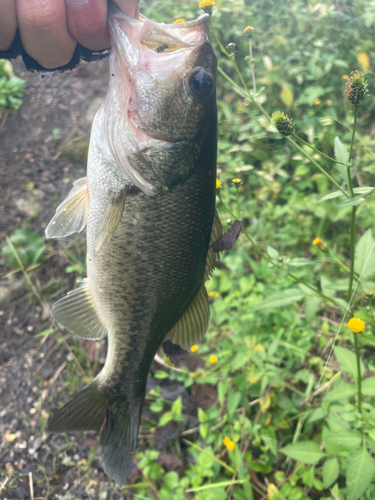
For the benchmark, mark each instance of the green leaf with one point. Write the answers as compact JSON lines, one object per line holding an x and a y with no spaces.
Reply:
{"x":203,"y":430}
{"x":360,"y":470}
{"x":341,"y":153}
{"x":347,"y":360}
{"x":368,"y":386}
{"x":351,"y":202}
{"x":272,"y":252}
{"x":330,"y":471}
{"x":345,"y":437}
{"x":364,"y":253}
{"x":312,"y":307}
{"x":304,"y":451}
{"x":177,"y":406}
{"x":330,"y":196}
{"x":344,"y":391}
{"x":234,"y":399}
{"x":286,"y":95}
{"x":202,"y":415}
{"x":166,"y":418}
{"x":281,"y":299}
{"x":363,"y":189}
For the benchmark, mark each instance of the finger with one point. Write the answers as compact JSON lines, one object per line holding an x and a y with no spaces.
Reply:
{"x":129,"y":7}
{"x":44,"y":34}
{"x":8,"y":23}
{"x":87,"y":23}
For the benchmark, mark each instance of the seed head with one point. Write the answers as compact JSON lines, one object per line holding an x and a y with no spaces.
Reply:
{"x":356,"y":88}
{"x":283,"y":123}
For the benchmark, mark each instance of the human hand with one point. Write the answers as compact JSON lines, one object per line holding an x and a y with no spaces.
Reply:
{"x":50,"y":29}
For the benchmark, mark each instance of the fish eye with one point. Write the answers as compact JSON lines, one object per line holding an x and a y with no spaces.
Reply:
{"x":200,"y":84}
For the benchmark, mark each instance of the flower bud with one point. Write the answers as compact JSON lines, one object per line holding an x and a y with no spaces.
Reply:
{"x":283,"y":123}
{"x":356,"y":88}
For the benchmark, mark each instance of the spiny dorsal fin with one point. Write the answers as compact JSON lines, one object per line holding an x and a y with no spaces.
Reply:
{"x":71,"y":214}
{"x":77,"y":313}
{"x":192,"y":326}
{"x":217,"y":231}
{"x":110,"y":219}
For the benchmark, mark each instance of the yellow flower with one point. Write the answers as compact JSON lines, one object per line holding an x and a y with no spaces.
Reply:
{"x":218,"y":184}
{"x":273,"y":493}
{"x":179,"y":21}
{"x":214,"y":295}
{"x":236,"y":180}
{"x":194,"y":348}
{"x":367,"y":155}
{"x":213,"y":359}
{"x":268,"y":420}
{"x":265,"y":403}
{"x":364,"y":60}
{"x":228,"y":443}
{"x":317,"y":101}
{"x":207,"y":5}
{"x":356,"y":325}
{"x":260,"y":348}
{"x":248,"y":31}
{"x":329,"y":101}
{"x":345,"y":77}
{"x":321,"y":244}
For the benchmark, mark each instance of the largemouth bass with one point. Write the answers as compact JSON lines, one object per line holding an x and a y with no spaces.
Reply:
{"x":149,"y":205}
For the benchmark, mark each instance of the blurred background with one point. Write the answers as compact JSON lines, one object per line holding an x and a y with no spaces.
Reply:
{"x":251,"y":389}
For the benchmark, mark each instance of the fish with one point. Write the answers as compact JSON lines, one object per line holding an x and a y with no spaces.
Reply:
{"x":148,"y":205}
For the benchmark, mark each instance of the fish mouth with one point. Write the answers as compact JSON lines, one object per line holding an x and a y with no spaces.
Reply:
{"x":142,"y":43}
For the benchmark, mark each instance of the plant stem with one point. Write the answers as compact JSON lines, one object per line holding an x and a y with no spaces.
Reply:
{"x":352,"y":252}
{"x":317,"y":151}
{"x":356,"y":343}
{"x":252,"y":66}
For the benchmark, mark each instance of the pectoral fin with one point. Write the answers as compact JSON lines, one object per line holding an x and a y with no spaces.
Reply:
{"x":111,"y":218}
{"x":71,"y":214}
{"x":192,"y":326}
{"x":77,"y":313}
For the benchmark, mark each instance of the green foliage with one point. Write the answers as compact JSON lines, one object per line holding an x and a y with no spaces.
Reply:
{"x":29,"y":246}
{"x":11,"y":87}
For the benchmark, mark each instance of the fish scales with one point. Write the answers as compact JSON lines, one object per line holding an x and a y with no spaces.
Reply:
{"x":149,"y":205}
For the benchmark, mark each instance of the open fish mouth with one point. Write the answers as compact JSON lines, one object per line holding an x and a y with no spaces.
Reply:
{"x":162,"y":83}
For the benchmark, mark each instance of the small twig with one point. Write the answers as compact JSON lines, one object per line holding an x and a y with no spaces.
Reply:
{"x":147,"y":479}
{"x":52,"y":381}
{"x":31,"y":485}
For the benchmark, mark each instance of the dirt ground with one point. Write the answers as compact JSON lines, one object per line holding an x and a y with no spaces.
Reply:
{"x":42,"y":150}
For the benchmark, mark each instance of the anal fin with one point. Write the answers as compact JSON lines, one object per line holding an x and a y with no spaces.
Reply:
{"x":110,"y":219}
{"x":77,"y":313}
{"x":71,"y":214}
{"x":192,"y":326}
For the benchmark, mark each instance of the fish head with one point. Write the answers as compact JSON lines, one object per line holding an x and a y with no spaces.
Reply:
{"x":166,"y":74}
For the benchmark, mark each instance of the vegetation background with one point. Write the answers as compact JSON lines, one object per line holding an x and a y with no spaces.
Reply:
{"x":271,"y":405}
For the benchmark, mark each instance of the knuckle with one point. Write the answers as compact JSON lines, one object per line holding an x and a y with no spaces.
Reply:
{"x":39,"y":14}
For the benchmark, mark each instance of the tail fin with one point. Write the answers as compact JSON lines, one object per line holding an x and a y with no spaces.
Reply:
{"x":117,"y":420}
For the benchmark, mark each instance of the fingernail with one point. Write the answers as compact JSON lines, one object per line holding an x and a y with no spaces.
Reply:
{"x":77,"y":3}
